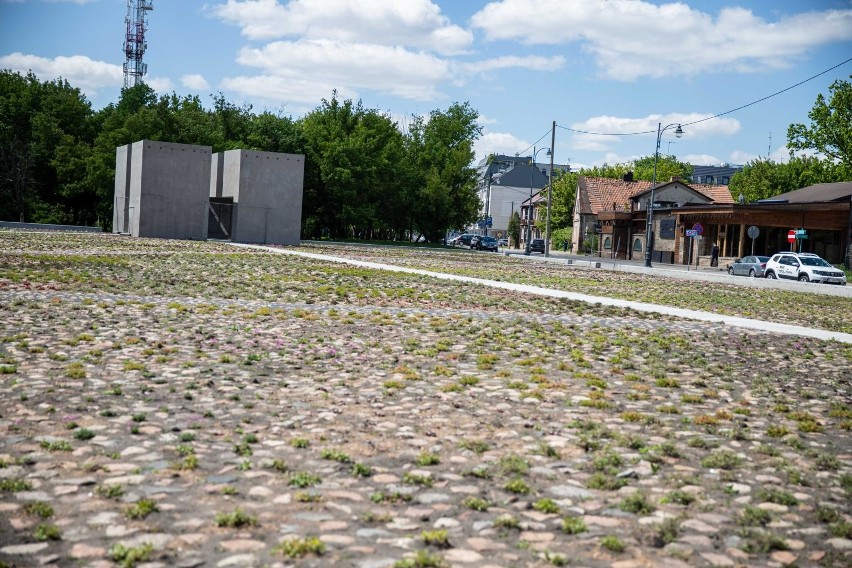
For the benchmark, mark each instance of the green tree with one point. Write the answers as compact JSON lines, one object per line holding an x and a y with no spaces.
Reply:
{"x":562,"y":200}
{"x":643,"y":168}
{"x":668,"y":167}
{"x":830,"y":132}
{"x":272,"y":133}
{"x":514,"y":230}
{"x":762,"y":179}
{"x":38,"y":121}
{"x":442,"y":151}
{"x":232,"y":124}
{"x":352,"y":158}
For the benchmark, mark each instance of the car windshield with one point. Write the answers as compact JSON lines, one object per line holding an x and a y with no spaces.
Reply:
{"x":763,"y":259}
{"x":813,"y":261}
{"x":488,"y":239}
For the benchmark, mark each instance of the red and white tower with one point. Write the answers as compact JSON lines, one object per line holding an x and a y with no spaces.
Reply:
{"x":134,"y":41}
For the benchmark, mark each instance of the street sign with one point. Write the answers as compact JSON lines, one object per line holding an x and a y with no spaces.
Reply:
{"x":691,"y":233}
{"x":753,"y":232}
{"x":699,"y":230}
{"x":488,"y":222}
{"x":801,"y":234}
{"x":791,"y":236}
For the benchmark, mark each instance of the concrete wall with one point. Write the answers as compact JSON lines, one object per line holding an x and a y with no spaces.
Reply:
{"x":267,"y":190}
{"x":121,"y":203}
{"x":169,"y":190}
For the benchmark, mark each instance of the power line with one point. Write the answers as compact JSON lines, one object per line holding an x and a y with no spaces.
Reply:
{"x":534,"y":144}
{"x":715,"y":115}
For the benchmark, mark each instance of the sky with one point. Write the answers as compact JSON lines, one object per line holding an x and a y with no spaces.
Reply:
{"x":608,"y":72}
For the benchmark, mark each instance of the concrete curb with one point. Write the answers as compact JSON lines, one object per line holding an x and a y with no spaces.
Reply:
{"x":732,"y":321}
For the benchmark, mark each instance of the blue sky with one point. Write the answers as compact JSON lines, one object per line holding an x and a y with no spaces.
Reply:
{"x":615,"y":67}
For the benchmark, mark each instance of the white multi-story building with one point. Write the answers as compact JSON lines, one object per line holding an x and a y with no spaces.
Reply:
{"x":505,"y":182}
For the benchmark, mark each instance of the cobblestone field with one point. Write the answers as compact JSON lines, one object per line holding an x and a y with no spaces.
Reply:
{"x":185,"y":404}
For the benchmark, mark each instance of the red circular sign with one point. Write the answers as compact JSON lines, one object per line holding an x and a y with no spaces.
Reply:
{"x":791,"y":236}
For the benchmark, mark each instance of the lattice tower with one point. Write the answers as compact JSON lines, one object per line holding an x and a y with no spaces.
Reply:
{"x":134,"y":41}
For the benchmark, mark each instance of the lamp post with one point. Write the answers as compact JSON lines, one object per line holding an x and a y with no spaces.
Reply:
{"x":650,"y":214}
{"x":529,"y":208}
{"x":549,"y":190}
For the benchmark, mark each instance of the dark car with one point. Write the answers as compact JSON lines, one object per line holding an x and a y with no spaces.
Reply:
{"x":537,"y":245}
{"x":481,"y":242}
{"x":462,"y":240}
{"x":751,"y":266}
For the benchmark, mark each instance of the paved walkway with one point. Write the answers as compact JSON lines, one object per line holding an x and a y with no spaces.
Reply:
{"x":734,"y":321}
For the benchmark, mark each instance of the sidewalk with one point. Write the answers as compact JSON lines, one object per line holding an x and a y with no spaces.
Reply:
{"x":702,"y":273}
{"x":550,"y":292}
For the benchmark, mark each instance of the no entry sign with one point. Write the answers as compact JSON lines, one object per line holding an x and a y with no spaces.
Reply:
{"x":791,"y":236}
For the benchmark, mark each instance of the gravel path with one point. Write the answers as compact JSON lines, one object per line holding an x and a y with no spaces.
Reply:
{"x":175,"y":429}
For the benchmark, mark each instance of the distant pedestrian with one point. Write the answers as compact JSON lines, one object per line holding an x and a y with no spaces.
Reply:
{"x":564,"y":246}
{"x":714,"y":256}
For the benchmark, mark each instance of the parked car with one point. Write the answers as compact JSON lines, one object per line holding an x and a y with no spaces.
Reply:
{"x":804,"y":267}
{"x":481,"y":242}
{"x":503,"y":242}
{"x":751,"y":266}
{"x":462,"y":240}
{"x":537,"y":245}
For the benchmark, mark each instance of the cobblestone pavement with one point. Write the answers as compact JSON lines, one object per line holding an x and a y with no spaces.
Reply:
{"x":368,"y":420}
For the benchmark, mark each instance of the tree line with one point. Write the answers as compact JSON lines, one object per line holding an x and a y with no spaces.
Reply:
{"x":364,"y":176}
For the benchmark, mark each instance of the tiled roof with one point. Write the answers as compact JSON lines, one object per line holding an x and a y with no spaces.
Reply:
{"x":599,"y":194}
{"x":720,"y":194}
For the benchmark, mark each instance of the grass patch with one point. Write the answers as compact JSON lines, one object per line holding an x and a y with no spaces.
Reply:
{"x":235,"y":519}
{"x":299,"y":547}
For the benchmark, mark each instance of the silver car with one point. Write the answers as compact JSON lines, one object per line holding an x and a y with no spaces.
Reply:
{"x":752,"y":266}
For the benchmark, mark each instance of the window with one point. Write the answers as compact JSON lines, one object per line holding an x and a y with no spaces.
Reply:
{"x":637,"y":244}
{"x":608,"y":243}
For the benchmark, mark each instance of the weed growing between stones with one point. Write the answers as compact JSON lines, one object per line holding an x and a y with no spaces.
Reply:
{"x":128,"y":557}
{"x":235,"y":519}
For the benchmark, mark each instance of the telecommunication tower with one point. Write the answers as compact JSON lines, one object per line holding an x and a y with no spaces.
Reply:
{"x":134,"y":41}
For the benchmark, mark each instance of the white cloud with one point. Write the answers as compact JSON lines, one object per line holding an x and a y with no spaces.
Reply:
{"x":80,"y":71}
{"x":700,"y":159}
{"x":534,"y":62}
{"x":195,"y":81}
{"x":779,"y":155}
{"x":633,"y":38}
{"x":486,"y":120}
{"x":161,"y":85}
{"x":285,"y":90}
{"x":413,"y":23}
{"x":340,"y":65}
{"x":600,"y":133}
{"x":498,"y":143}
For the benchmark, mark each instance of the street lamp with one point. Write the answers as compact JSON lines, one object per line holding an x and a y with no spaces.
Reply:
{"x":650,"y":214}
{"x":530,"y":209}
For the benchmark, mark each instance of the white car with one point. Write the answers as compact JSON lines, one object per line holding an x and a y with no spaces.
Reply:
{"x":804,"y":267}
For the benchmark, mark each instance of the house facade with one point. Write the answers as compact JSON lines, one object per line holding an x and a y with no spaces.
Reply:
{"x":610,"y":219}
{"x":610,"y":215}
{"x":603,"y":202}
{"x":822,"y":211}
{"x":505,"y":184}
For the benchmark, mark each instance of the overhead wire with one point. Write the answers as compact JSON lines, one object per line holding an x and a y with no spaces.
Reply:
{"x":715,"y":115}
